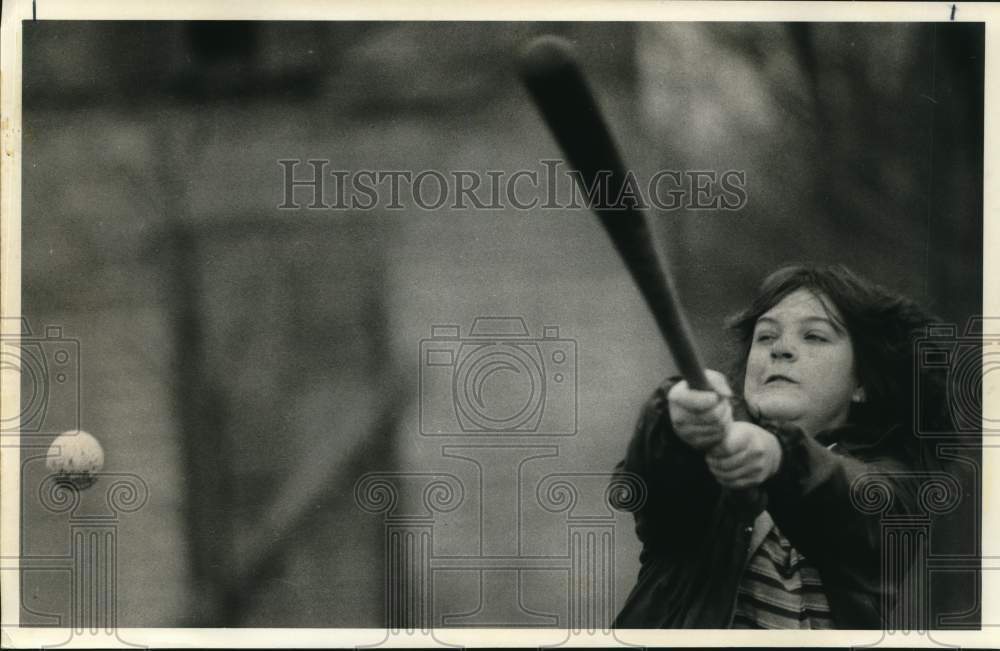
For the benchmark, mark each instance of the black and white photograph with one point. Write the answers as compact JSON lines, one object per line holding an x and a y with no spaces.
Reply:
{"x":516,"y":330}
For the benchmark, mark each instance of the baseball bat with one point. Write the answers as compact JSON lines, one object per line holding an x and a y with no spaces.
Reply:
{"x":559,"y":89}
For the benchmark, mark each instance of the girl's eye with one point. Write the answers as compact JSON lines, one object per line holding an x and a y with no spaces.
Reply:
{"x":816,"y":336}
{"x":764,"y":337}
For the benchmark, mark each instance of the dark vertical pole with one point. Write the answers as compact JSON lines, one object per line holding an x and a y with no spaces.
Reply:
{"x":955,"y":189}
{"x":200,"y":410}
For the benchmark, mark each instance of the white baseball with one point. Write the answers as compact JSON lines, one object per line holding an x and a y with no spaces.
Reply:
{"x":76,"y":457}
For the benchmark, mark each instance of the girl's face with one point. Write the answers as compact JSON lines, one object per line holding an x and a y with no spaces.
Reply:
{"x":800,"y":370}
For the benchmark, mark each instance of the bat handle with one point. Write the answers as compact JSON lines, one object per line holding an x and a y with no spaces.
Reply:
{"x":697,"y":379}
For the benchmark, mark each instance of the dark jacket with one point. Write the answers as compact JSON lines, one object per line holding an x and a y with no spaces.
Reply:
{"x":695,"y":535}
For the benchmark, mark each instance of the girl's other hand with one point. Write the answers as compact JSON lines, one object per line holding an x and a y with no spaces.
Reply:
{"x":748,"y":456}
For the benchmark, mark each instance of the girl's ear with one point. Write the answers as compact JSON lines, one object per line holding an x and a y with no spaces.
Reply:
{"x":859,"y":395}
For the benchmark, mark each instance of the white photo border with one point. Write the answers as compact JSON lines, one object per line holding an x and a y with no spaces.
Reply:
{"x":17,"y":11}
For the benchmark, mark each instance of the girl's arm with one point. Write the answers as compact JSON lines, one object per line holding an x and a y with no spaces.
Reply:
{"x":814,"y":500}
{"x":680,"y":491}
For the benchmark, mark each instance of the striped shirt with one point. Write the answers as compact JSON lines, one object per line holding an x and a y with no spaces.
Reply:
{"x":780,"y":588}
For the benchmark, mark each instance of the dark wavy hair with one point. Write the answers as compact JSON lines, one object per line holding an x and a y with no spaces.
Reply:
{"x":883,"y":327}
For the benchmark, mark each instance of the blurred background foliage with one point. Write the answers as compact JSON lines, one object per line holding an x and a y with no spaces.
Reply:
{"x":252,"y":363}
